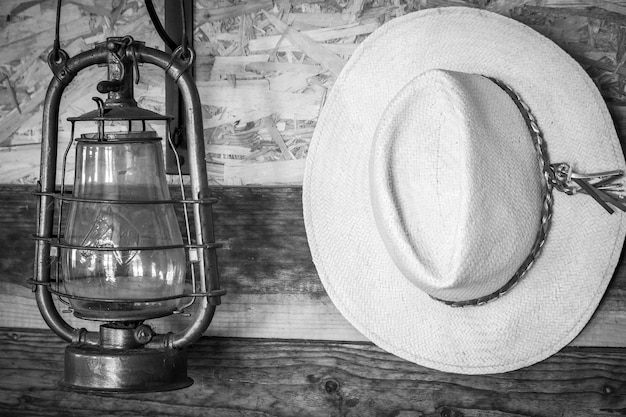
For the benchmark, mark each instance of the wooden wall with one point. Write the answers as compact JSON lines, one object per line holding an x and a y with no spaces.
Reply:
{"x":273,"y":288}
{"x":268,"y":377}
{"x":277,"y":345}
{"x":262,"y":83}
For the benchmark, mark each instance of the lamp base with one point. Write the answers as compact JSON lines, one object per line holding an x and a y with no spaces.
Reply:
{"x":93,"y":368}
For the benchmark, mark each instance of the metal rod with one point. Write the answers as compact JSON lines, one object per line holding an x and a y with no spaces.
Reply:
{"x":203,"y":218}
{"x":45,"y":206}
{"x":129,"y":248}
{"x":61,"y":196}
{"x":125,"y":300}
{"x":182,"y":193}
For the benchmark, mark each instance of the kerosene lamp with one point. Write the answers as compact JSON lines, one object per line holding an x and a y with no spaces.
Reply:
{"x":111,"y":248}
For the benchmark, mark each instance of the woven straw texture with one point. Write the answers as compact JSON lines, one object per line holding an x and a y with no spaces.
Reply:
{"x":560,"y":292}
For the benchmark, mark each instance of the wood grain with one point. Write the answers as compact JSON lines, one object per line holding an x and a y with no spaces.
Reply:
{"x":315,"y":51}
{"x":253,"y":377}
{"x":266,"y":267}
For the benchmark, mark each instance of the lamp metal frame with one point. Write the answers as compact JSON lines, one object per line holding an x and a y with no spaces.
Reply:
{"x":130,"y":352}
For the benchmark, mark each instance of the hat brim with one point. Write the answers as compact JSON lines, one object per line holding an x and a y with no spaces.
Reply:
{"x":559,"y":294}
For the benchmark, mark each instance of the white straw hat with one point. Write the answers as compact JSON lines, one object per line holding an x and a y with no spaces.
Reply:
{"x":428,"y":192}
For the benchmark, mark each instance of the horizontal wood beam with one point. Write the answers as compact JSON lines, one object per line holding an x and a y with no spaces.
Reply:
{"x":254,"y":377}
{"x":266,"y":267}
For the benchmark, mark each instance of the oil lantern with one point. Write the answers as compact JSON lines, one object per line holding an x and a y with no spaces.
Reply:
{"x":110,"y":247}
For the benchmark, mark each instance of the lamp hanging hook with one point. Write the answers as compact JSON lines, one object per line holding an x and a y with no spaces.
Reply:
{"x":186,"y":57}
{"x":57,"y":57}
{"x":56,"y":46}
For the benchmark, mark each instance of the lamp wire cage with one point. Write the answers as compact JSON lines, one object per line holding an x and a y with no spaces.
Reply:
{"x":62,"y":196}
{"x":151,"y":361}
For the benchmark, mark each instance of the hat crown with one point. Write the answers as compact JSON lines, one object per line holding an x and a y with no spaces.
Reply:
{"x":456,"y":184}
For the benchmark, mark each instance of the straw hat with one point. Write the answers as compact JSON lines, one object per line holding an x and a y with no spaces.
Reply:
{"x":432,"y":198}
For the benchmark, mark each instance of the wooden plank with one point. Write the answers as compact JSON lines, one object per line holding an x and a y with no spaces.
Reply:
{"x":266,"y":267}
{"x":611,"y":6}
{"x":319,"y":35}
{"x":31,"y":21}
{"x":310,"y":47}
{"x":281,"y":316}
{"x":599,"y":64}
{"x":24,"y":46}
{"x":257,"y":173}
{"x":265,"y":67}
{"x":618,"y":113}
{"x":344,"y":50}
{"x":16,"y":118}
{"x":244,"y":377}
{"x":229,"y":12}
{"x":7,"y":7}
{"x":97,"y":8}
{"x":320,"y":19}
{"x":253,"y":102}
{"x":235,"y":65}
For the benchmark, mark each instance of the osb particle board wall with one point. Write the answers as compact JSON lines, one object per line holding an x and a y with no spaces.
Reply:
{"x":261,"y":89}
